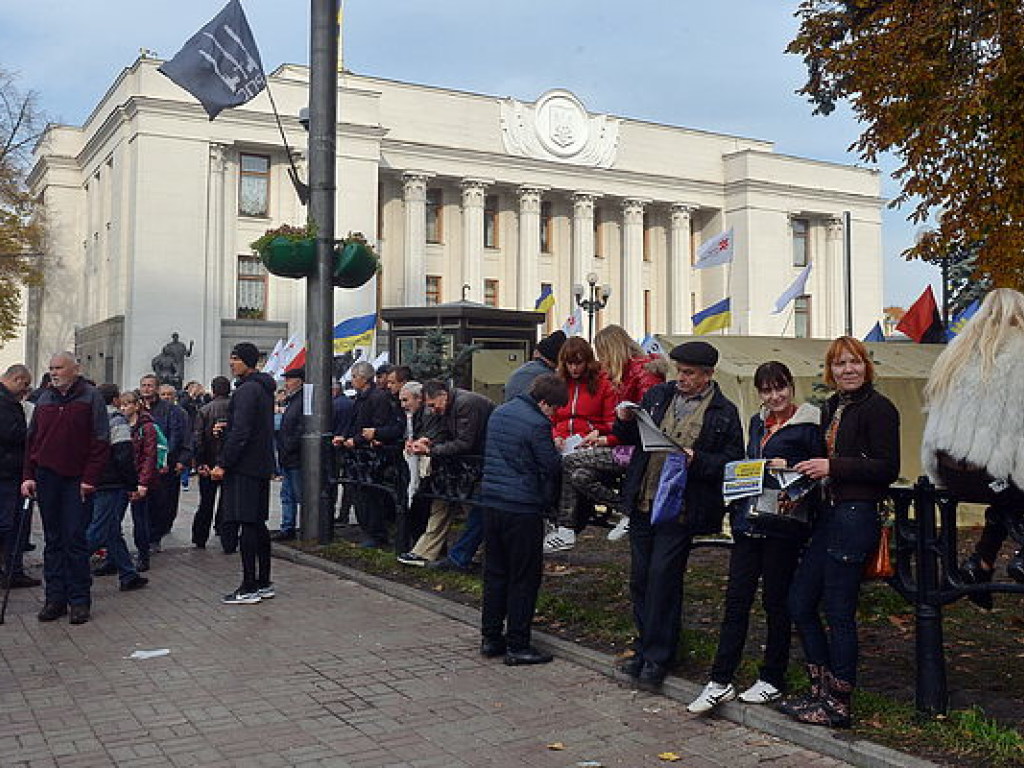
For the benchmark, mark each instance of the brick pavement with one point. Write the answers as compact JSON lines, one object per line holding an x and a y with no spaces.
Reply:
{"x":330,"y":673}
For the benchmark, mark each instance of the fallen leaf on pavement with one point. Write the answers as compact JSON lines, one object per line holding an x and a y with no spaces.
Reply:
{"x":669,"y":757}
{"x":556,"y":746}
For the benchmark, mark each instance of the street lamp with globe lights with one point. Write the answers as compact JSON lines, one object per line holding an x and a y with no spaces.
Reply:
{"x":597,"y":300}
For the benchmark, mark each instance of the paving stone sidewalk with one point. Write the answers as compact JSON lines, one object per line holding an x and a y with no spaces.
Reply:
{"x":329,"y":673}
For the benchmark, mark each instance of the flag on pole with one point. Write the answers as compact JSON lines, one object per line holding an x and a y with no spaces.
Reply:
{"x":651,"y":345}
{"x":922,"y":322}
{"x":354,"y":332}
{"x":716,"y":251}
{"x":287,"y":354}
{"x":875,"y":334}
{"x":714,"y":318}
{"x":271,"y":365}
{"x":545,"y":301}
{"x":958,"y":322}
{"x":220,"y":64}
{"x":299,"y":361}
{"x":573,"y":325}
{"x":796,"y":288}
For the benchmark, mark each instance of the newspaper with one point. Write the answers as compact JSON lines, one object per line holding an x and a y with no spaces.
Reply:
{"x":743,"y":478}
{"x":651,"y":436}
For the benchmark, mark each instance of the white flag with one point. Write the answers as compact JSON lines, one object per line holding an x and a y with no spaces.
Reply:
{"x":797,"y":288}
{"x":716,"y":251}
{"x":573,"y":325}
{"x":651,"y":345}
{"x":271,"y":365}
{"x":288,"y":353}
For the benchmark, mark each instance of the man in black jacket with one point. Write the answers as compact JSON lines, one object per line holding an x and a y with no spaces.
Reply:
{"x":375,"y":422}
{"x":245,"y":466}
{"x":210,"y":423}
{"x":14,"y":385}
{"x":162,"y":505}
{"x":693,"y":413}
{"x":289,"y":453}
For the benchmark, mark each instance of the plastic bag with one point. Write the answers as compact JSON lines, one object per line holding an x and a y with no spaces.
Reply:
{"x":668,"y":501}
{"x":878,"y":566}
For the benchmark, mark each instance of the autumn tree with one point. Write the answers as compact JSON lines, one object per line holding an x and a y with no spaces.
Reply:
{"x":940,"y":85}
{"x":21,"y":231}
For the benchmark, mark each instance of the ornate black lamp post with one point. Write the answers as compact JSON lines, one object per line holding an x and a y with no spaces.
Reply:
{"x":598,"y":299}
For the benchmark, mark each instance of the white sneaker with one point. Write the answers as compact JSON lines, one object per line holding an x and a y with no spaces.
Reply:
{"x":238,"y":597}
{"x":559,"y":540}
{"x":712,"y":695}
{"x":761,"y":693}
{"x":620,"y":531}
{"x":266,"y":593}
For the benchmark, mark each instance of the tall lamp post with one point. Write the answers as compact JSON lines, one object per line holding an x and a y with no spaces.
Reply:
{"x":597,"y":300}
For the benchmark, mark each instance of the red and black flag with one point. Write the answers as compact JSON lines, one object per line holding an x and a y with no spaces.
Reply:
{"x":922,"y":322}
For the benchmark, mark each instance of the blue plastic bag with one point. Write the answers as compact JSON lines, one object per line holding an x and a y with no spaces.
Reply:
{"x":668,"y":501}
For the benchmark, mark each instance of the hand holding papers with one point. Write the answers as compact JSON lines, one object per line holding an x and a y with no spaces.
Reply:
{"x":651,"y":436}
{"x":777,"y":492}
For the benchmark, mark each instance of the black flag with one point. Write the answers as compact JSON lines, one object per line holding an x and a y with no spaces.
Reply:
{"x":220,"y":64}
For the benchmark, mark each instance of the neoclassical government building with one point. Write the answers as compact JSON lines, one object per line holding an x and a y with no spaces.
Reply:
{"x":152,"y":207}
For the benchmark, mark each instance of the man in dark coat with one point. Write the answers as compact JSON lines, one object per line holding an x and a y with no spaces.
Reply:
{"x":245,"y":466}
{"x":545,"y":358}
{"x":211,"y":420}
{"x":162,"y":502}
{"x":14,"y":385}
{"x":376,"y":421}
{"x":693,"y":413}
{"x":67,"y":447}
{"x":521,"y":465}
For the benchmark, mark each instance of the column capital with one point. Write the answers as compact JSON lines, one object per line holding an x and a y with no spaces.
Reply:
{"x":473,"y":192}
{"x":414,"y":185}
{"x":835,"y":226}
{"x":218,"y":157}
{"x":683,"y":210}
{"x":633,"y":210}
{"x":585,"y":198}
{"x":529,"y":197}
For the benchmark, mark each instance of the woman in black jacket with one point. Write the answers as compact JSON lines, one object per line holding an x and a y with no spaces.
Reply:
{"x":765,"y":548}
{"x":861,"y":432}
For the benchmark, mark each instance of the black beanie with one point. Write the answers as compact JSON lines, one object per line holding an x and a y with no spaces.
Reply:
{"x":247,"y":353}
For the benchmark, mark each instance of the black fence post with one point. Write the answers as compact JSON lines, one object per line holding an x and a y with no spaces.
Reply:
{"x":932,"y":697}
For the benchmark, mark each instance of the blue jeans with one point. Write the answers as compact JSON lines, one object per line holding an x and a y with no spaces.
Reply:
{"x":11,"y":514}
{"x":65,"y":552}
{"x":469,"y":541}
{"x":829,"y":578}
{"x":108,"y":508}
{"x":291,"y":497}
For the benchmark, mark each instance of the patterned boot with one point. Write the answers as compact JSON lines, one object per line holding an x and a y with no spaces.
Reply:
{"x":833,"y":711}
{"x":793,"y":704}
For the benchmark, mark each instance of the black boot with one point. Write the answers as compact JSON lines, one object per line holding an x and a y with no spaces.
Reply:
{"x":972,"y":572}
{"x":793,"y":704}
{"x":833,"y":710}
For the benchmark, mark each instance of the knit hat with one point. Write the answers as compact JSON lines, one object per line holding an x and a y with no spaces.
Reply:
{"x":549,"y":346}
{"x":695,"y":353}
{"x":247,"y":353}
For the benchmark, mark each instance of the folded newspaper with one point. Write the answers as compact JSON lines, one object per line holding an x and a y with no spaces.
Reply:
{"x":651,"y":436}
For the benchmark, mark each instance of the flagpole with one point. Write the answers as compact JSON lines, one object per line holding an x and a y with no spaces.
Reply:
{"x":317,"y":515}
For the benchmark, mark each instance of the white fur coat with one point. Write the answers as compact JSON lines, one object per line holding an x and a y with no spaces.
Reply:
{"x":982,"y":422}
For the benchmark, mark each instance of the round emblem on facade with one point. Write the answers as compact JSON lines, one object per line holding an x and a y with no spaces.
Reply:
{"x":562,"y":124}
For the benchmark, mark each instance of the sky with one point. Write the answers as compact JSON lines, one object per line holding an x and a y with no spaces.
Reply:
{"x":715,"y":66}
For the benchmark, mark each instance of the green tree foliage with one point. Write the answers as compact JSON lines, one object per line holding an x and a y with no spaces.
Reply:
{"x":21,"y":231}
{"x":939,"y":84}
{"x":432,"y":361}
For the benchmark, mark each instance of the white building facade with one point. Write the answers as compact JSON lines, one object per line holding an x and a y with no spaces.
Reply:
{"x":152,"y":207}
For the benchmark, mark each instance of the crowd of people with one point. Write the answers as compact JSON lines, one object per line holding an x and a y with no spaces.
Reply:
{"x":573,"y":436}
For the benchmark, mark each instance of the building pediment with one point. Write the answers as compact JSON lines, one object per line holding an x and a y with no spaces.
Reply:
{"x":558,"y":128}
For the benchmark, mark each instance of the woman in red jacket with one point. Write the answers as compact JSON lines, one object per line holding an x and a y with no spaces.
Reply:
{"x":144,"y":442}
{"x":631,"y":371}
{"x":581,"y":425}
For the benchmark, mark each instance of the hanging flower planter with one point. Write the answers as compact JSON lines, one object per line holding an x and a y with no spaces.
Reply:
{"x":288,"y":251}
{"x":355,"y":262}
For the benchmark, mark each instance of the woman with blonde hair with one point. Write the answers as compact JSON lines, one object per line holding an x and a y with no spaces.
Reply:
{"x":974,"y":437}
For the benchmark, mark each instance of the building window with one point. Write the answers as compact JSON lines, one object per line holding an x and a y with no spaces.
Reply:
{"x":647,"y":238}
{"x":801,"y":227}
{"x":647,"y":313}
{"x":254,"y":185}
{"x":802,"y":317}
{"x":491,"y":293}
{"x":252,"y":288}
{"x":433,"y":290}
{"x":491,"y":221}
{"x":435,"y":218}
{"x":598,"y":240}
{"x":546,"y":233}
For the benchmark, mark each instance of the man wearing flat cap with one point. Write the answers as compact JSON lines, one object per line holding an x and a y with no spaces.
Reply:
{"x":245,"y":466}
{"x":694,"y":414}
{"x":545,"y":358}
{"x":289,"y":453}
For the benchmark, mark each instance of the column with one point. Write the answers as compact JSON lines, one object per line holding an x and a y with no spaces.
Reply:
{"x":528,"y":288}
{"x":632,"y":266}
{"x":414,"y":195}
{"x":214,"y":302}
{"x":835,"y":275}
{"x":473,"y":237}
{"x":582,"y":237}
{"x":680,"y":263}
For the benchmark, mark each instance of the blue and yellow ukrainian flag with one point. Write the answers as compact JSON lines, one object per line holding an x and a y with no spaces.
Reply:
{"x":959,"y":321}
{"x":714,"y":318}
{"x":354,"y":332}
{"x":545,"y":301}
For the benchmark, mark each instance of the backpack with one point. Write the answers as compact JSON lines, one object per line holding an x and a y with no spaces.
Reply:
{"x":161,"y":447}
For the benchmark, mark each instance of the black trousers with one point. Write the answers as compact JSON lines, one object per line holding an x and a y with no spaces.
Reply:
{"x":513,"y":567}
{"x":254,"y":546}
{"x":771,"y":561}
{"x":658,"y":561}
{"x":204,"y":517}
{"x":163,"y":505}
{"x":373,"y":509}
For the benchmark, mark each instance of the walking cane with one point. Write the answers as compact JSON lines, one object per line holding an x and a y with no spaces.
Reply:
{"x":26,"y":510}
